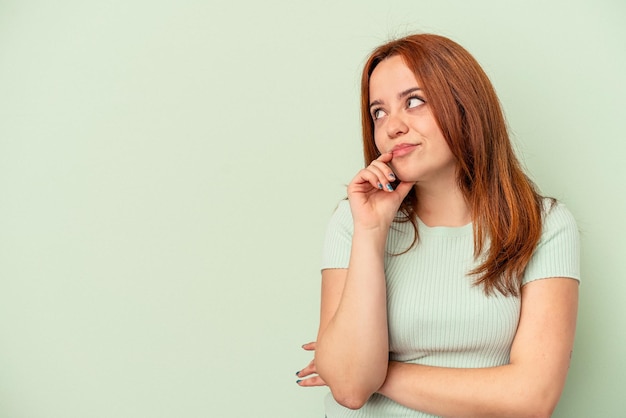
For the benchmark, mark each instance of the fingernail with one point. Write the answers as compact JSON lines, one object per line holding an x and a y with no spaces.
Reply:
{"x":392,"y":176}
{"x":298,"y":381}
{"x":380,"y":186}
{"x":389,"y":187}
{"x":298,"y":373}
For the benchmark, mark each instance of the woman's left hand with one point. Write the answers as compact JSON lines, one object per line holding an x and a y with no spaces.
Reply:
{"x":309,"y":370}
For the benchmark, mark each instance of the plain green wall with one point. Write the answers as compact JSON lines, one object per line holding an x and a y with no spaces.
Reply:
{"x":167,"y":169}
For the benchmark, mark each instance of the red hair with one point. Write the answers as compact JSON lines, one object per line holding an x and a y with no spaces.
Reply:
{"x":505,"y":205}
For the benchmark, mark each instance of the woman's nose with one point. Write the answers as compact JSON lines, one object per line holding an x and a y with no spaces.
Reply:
{"x":396,"y":127}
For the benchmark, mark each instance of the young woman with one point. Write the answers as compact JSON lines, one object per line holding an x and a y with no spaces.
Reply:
{"x":449,"y":284}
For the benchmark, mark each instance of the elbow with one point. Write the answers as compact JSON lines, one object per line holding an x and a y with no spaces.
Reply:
{"x":353,"y":393}
{"x":540,"y":413}
{"x":539,"y":406}
{"x":525,"y":409}
{"x":351,"y":383}
{"x":542,"y":410}
{"x":350,"y":399}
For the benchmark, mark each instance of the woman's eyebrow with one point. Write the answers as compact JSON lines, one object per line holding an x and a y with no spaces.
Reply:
{"x":408,"y":91}
{"x":376,"y":103}
{"x":400,"y":95}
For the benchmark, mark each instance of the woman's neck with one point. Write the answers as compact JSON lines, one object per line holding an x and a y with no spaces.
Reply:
{"x":442,"y":206}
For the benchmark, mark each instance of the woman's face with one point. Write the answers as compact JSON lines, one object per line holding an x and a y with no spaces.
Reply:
{"x":405,"y":126}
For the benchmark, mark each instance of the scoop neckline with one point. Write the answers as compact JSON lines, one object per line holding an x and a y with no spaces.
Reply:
{"x":444,"y":230}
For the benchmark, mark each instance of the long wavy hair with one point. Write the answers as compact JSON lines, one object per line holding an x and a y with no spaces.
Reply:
{"x":505,"y":205}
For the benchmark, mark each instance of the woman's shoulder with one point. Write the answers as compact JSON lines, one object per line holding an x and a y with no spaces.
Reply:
{"x":558,"y":251}
{"x":343,"y":206}
{"x":342,"y":210}
{"x":341,"y":217}
{"x":557,"y":216}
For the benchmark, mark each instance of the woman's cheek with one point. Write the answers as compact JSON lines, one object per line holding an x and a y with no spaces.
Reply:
{"x":379,"y":146}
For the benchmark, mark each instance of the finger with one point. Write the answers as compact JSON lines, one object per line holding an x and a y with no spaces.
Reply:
{"x":364,"y":180}
{"x":385,"y":157}
{"x":312,"y":381}
{"x":308,"y":370}
{"x":309,"y":346}
{"x":385,"y":171}
{"x":382,"y":181}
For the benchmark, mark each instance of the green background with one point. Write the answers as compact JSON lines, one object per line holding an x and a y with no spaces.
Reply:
{"x":167,"y":169}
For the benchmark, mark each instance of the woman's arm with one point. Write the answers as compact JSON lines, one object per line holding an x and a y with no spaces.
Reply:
{"x":352,"y":350}
{"x":530,"y":386}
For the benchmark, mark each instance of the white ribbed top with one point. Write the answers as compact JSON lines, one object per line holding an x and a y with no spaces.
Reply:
{"x":436,"y":316}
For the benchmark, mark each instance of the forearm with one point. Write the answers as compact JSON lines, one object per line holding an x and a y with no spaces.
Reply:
{"x":530,"y":386}
{"x":353,"y":351}
{"x":508,"y":391}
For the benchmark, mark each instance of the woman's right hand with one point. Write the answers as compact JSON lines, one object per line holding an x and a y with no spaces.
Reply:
{"x":373,"y":201}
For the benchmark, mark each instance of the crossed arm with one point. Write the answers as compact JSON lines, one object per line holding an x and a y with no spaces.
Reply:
{"x":349,"y":356}
{"x":352,"y":350}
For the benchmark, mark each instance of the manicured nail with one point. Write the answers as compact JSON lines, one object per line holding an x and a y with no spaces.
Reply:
{"x":389,"y":187}
{"x":298,"y":381}
{"x":298,"y":373}
{"x":380,"y":186}
{"x":392,"y":176}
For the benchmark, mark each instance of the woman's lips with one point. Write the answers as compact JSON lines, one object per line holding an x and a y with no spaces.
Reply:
{"x":403,"y":149}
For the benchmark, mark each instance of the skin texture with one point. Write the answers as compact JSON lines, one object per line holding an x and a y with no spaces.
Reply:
{"x":351,"y":352}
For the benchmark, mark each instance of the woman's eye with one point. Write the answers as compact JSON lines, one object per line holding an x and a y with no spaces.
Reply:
{"x":378,"y":113}
{"x":414,"y":102}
